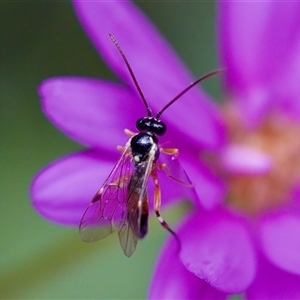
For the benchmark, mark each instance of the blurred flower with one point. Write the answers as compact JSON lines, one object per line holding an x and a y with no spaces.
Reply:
{"x":250,"y":241}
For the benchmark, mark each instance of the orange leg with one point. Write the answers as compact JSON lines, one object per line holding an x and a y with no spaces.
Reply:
{"x":121,"y":148}
{"x":120,"y":181}
{"x":157,"y":202}
{"x":129,"y":132}
{"x":165,"y":168}
{"x":117,"y":184}
{"x":170,"y":151}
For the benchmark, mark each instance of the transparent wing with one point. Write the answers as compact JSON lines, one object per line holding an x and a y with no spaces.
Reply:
{"x":174,"y":169}
{"x":134,"y":224}
{"x":108,"y":206}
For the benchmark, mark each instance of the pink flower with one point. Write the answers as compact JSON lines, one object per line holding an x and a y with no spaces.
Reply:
{"x":249,"y":243}
{"x":242,"y":235}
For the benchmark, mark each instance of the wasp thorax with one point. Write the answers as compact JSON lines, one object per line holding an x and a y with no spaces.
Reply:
{"x":152,"y":125}
{"x":141,"y":144}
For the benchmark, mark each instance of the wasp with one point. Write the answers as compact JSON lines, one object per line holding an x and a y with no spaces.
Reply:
{"x":122,"y":201}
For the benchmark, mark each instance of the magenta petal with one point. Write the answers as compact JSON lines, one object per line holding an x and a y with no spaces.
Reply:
{"x":158,"y":70}
{"x":211,"y":190}
{"x":91,"y":111}
{"x":280,"y":239}
{"x":273,"y":283}
{"x":243,"y":160}
{"x":256,"y":50}
{"x":287,"y":88}
{"x":62,"y":191}
{"x":216,"y":246}
{"x":171,"y":280}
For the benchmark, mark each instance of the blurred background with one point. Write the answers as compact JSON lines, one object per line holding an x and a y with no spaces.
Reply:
{"x":44,"y":39}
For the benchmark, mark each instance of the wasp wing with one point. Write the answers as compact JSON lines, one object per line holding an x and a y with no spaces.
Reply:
{"x":174,"y":169}
{"x":134,"y":224}
{"x":108,"y":206}
{"x":175,"y":184}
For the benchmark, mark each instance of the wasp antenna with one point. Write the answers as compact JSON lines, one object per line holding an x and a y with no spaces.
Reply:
{"x":132,"y":74}
{"x":187,"y":89}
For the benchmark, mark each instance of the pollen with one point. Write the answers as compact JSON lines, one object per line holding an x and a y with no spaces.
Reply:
{"x":277,"y":136}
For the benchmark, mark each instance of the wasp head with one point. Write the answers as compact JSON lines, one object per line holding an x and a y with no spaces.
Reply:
{"x":151,"y":124}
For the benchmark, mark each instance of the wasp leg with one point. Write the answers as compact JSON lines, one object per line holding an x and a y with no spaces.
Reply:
{"x":117,"y":183}
{"x":129,"y":132}
{"x":120,"y":181}
{"x":121,"y":148}
{"x":175,"y":153}
{"x":165,"y":168}
{"x":170,"y":151}
{"x":157,"y":202}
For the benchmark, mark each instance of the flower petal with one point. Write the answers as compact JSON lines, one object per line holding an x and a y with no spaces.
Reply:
{"x":243,"y":160}
{"x":280,"y":239}
{"x":62,"y":191}
{"x":211,"y":190}
{"x":216,"y":246}
{"x":273,"y":283}
{"x":171,"y":280}
{"x":158,"y":70}
{"x":255,"y":51}
{"x":91,"y":111}
{"x":287,"y":88}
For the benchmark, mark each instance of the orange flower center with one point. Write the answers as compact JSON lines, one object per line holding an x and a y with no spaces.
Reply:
{"x":277,"y":137}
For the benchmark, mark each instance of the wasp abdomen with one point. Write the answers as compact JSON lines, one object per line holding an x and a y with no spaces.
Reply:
{"x":143,"y":225}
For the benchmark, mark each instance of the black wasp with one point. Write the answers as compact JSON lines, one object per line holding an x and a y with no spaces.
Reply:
{"x":122,"y":201}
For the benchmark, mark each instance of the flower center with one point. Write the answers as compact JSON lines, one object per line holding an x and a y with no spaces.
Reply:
{"x":279,"y":138}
